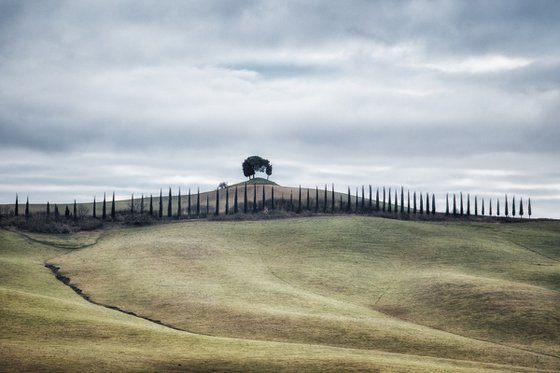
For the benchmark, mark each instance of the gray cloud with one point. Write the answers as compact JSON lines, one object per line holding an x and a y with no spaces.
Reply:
{"x":92,"y":85}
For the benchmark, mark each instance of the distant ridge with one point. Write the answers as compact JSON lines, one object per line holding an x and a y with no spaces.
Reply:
{"x":258,"y":181}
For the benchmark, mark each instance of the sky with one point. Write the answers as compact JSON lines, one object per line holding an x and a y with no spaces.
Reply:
{"x":134,"y":96}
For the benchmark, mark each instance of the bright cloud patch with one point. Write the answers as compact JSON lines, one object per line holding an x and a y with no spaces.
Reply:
{"x":481,"y":64}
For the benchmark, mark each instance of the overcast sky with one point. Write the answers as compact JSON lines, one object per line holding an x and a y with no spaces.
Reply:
{"x":438,"y":96}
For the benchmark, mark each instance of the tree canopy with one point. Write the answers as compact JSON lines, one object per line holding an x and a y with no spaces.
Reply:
{"x":256,"y":164}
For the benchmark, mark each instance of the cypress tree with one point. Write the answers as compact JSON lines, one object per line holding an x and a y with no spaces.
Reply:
{"x":160,"y":203}
{"x":370,"y":198}
{"x":408,"y":201}
{"x":27,"y":207}
{"x":414,"y":203}
{"x":427,"y":204}
{"x":384,"y":207}
{"x":316,"y":198}
{"x":291,"y":207}
{"x":113,"y":207}
{"x":179,"y":204}
{"x":245,"y":200}
{"x":332,"y":202}
{"x":341,"y":204}
{"x":377,"y":199}
{"x":507,"y":207}
{"x":169,"y":204}
{"x":454,"y":205}
{"x":197,"y":202}
{"x":207,"y":204}
{"x":132,"y":204}
{"x":104,"y":208}
{"x":363,"y":198}
{"x":475,"y":205}
{"x":254,"y":198}
{"x":67,"y":212}
{"x":56,"y":212}
{"x":235,"y":201}
{"x":402,"y":200}
{"x":227,"y":201}
{"x":513,"y":207}
{"x":395,"y":208}
{"x":529,"y":211}
{"x":447,"y":204}
{"x":151,"y":205}
{"x":299,"y":200}
{"x":49,"y":209}
{"x":142,"y":204}
{"x":433,"y":204}
{"x":357,"y":201}
{"x":482,"y":207}
{"x":263,"y":198}
{"x":461,"y":203}
{"x":217,"y":212}
{"x":273,"y":205}
{"x":389,"y":201}
{"x":189,"y":197}
{"x":307,"y":201}
{"x":16,"y":207}
{"x":490,"y":207}
{"x":421,"y":204}
{"x":521,"y":207}
{"x":325,"y":200}
{"x":94,"y":212}
{"x":468,"y":204}
{"x":349,"y":207}
{"x":497,"y":207}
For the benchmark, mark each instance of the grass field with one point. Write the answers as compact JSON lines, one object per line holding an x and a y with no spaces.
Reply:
{"x":321,"y":293}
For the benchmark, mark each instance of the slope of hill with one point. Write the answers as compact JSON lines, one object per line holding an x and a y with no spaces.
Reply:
{"x":323,"y":293}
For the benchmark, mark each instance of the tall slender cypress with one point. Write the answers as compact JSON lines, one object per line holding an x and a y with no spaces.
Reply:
{"x":197,"y":202}
{"x":421,"y":204}
{"x":529,"y":211}
{"x":245,"y":200}
{"x":468,"y":204}
{"x":169,"y":204}
{"x":427,"y":204}
{"x":332,"y":201}
{"x":357,"y":201}
{"x":461,"y":201}
{"x":299,"y":200}
{"x":408,"y":201}
{"x":254,"y":197}
{"x":94,"y":212}
{"x":447,"y":204}
{"x":490,"y":207}
{"x":56,"y":212}
{"x":132,"y":204}
{"x":207,"y":204}
{"x":316,"y":198}
{"x":307,"y":202}
{"x":454,"y":204}
{"x":377,"y":199}
{"x":272,"y":204}
{"x":291,"y":207}
{"x":363,"y":198}
{"x":389,"y":201}
{"x":151,"y":205}
{"x":497,"y":207}
{"x":104,"y":208}
{"x":341,"y":207}
{"x":113,"y":207}
{"x":217,"y":205}
{"x":160,"y":203}
{"x":27,"y":207}
{"x":370,"y":198}
{"x":513,"y":207}
{"x":482,"y":206}
{"x":263,"y":197}
{"x":384,"y":206}
{"x":521,"y":207}
{"x":475,"y":205}
{"x":179,"y":204}
{"x":402,"y":200}
{"x":325,"y":201}
{"x":142,"y":204}
{"x":507,"y":207}
{"x":189,"y":210}
{"x":49,"y":209}
{"x":227,"y":200}
{"x":433,"y":204}
{"x":16,"y":206}
{"x":235,"y":202}
{"x":396,"y":201}
{"x":349,"y":207}
{"x":414,"y":209}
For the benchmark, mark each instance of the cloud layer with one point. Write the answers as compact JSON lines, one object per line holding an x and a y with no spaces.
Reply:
{"x":442,"y":96}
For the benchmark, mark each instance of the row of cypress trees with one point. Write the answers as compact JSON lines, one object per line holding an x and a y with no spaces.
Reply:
{"x":384,"y":202}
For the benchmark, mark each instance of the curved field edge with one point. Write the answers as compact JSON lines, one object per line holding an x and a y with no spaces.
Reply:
{"x":281,"y":281}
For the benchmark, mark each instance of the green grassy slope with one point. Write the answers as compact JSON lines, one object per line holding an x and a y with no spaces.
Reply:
{"x":47,"y":327}
{"x":480,"y":292}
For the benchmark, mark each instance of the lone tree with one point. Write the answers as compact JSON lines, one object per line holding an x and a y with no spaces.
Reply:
{"x":255,"y":164}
